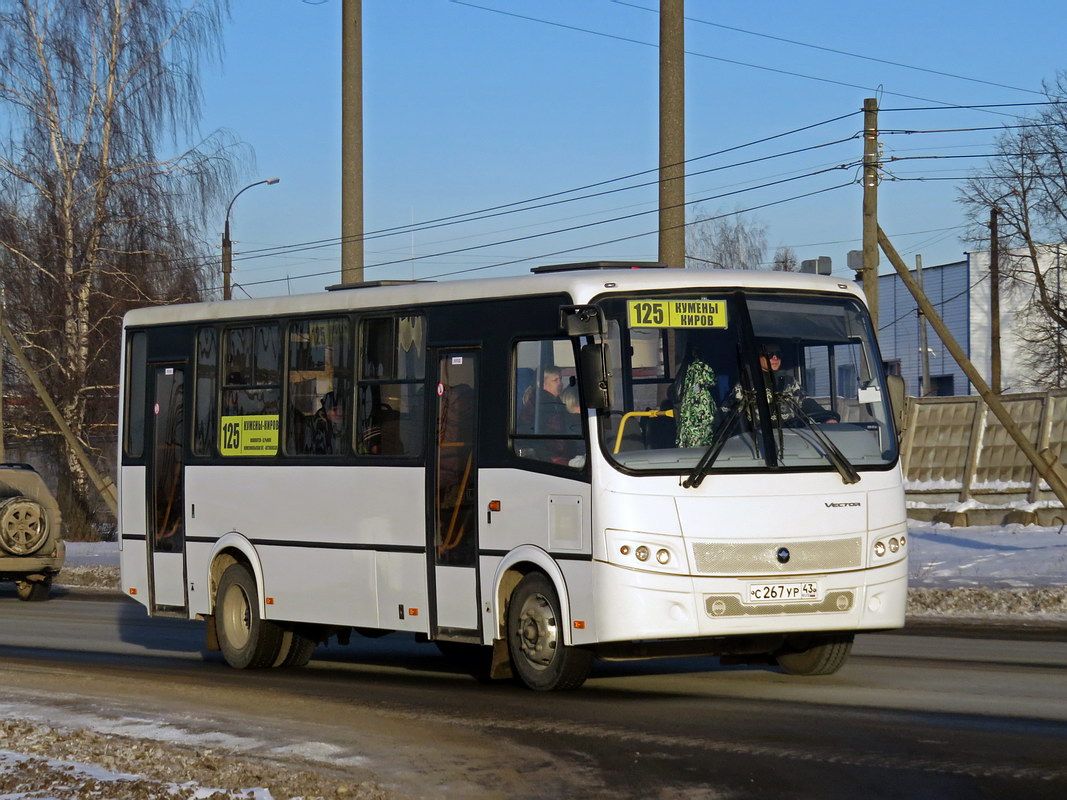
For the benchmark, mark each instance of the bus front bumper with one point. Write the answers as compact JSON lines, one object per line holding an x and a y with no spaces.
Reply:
{"x":640,"y":605}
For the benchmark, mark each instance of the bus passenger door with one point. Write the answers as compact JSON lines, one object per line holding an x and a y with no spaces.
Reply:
{"x":166,"y":489}
{"x":453,"y":494}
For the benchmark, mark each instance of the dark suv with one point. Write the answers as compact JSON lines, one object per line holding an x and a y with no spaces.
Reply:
{"x":31,"y":543}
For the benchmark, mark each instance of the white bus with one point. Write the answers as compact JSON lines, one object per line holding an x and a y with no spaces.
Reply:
{"x":586,"y":462}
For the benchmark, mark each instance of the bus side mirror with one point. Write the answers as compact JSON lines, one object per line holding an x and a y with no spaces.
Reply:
{"x":596,"y":375}
{"x":897,"y":400}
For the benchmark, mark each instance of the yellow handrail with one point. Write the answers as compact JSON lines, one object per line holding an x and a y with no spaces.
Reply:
{"x":622,"y":423}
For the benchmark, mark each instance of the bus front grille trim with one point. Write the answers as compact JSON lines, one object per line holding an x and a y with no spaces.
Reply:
{"x":730,"y":605}
{"x":760,"y":558}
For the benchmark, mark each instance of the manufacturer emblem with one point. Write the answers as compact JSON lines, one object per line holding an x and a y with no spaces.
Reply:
{"x":782,"y":555}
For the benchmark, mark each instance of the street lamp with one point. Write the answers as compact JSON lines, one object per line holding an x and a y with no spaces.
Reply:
{"x":227,"y":245}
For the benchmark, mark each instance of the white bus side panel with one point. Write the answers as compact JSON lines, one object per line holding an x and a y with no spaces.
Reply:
{"x":133,"y":521}
{"x":402,"y":587}
{"x":553,"y":515}
{"x":546,"y":511}
{"x":379,"y":505}
{"x":306,"y":510}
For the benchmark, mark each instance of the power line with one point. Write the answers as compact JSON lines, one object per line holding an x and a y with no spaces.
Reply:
{"x":892,"y":132}
{"x":648,"y":233}
{"x":493,"y":211}
{"x":283,"y":249}
{"x":837,"y":52}
{"x":621,"y":218}
{"x":977,"y":106}
{"x":572,"y":249}
{"x":693,"y":53}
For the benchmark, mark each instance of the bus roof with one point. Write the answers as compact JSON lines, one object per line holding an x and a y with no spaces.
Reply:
{"x":580,"y":285}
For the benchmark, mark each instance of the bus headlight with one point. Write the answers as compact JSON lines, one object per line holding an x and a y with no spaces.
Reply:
{"x":891,"y":548}
{"x":651,"y":552}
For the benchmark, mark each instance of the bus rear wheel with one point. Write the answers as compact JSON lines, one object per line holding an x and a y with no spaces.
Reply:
{"x":535,"y":639}
{"x":822,"y":655}
{"x":295,"y":650}
{"x":247,"y":641}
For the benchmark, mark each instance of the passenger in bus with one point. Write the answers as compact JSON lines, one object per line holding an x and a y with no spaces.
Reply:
{"x":543,"y":412}
{"x":326,"y":426}
{"x":692,"y":396}
{"x":784,"y":390}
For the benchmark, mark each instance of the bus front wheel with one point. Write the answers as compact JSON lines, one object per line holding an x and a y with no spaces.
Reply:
{"x":535,"y":639}
{"x":247,"y":641}
{"x":821,"y":655}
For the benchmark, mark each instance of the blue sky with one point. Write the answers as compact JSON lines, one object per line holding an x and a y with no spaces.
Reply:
{"x":467,"y":108}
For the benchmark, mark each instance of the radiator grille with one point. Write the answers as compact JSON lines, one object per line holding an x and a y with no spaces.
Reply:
{"x":758,"y":558}
{"x":730,"y":605}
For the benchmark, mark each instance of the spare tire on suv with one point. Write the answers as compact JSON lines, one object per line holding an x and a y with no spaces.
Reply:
{"x":31,"y":547}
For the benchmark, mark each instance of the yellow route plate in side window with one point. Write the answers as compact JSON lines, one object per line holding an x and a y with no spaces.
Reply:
{"x":249,"y":435}
{"x":677,"y":313}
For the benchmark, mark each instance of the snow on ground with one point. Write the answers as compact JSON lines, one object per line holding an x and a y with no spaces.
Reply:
{"x":1009,"y":557}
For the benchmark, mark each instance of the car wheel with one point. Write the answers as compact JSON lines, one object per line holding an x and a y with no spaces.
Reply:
{"x":23,"y":526}
{"x":33,"y":591}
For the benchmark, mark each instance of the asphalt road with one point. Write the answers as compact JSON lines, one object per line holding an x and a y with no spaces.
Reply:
{"x":931,"y":712}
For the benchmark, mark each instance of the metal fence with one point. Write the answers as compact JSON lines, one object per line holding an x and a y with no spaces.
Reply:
{"x":962,"y":467}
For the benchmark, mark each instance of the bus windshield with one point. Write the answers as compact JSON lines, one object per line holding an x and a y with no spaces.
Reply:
{"x":731,"y":380}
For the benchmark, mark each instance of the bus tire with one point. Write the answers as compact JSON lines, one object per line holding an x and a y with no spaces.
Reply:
{"x":297,"y":649}
{"x":539,"y":657}
{"x":825,"y":655}
{"x":247,"y":641}
{"x":33,"y":591}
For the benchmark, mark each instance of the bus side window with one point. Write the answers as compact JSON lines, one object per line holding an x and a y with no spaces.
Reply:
{"x":251,"y":390}
{"x":205,"y":422}
{"x":390,"y":400}
{"x":319,"y":391}
{"x":547,"y":419}
{"x":136,"y":381}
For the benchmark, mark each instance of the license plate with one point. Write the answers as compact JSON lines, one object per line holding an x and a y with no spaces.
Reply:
{"x":782,"y":592}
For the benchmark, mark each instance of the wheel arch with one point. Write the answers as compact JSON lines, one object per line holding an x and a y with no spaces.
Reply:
{"x":234,"y":548}
{"x":515,"y":566}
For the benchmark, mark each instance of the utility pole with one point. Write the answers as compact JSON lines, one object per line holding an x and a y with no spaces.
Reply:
{"x":870,"y":206}
{"x":924,"y":347}
{"x":672,"y":133}
{"x":994,"y":301}
{"x":351,"y":141}
{"x":227,"y":261}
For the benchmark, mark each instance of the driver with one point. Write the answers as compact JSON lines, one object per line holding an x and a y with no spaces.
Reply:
{"x":783,"y":390}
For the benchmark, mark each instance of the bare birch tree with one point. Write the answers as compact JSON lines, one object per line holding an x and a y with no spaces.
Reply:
{"x":101,"y":202}
{"x":726,"y":242}
{"x":1027,"y":184}
{"x":785,"y":260}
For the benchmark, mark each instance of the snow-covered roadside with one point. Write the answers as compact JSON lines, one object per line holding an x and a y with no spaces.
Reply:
{"x":72,"y":763}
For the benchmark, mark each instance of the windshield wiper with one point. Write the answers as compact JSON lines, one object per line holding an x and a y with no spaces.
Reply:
{"x":718,"y":440}
{"x":830,"y":450}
